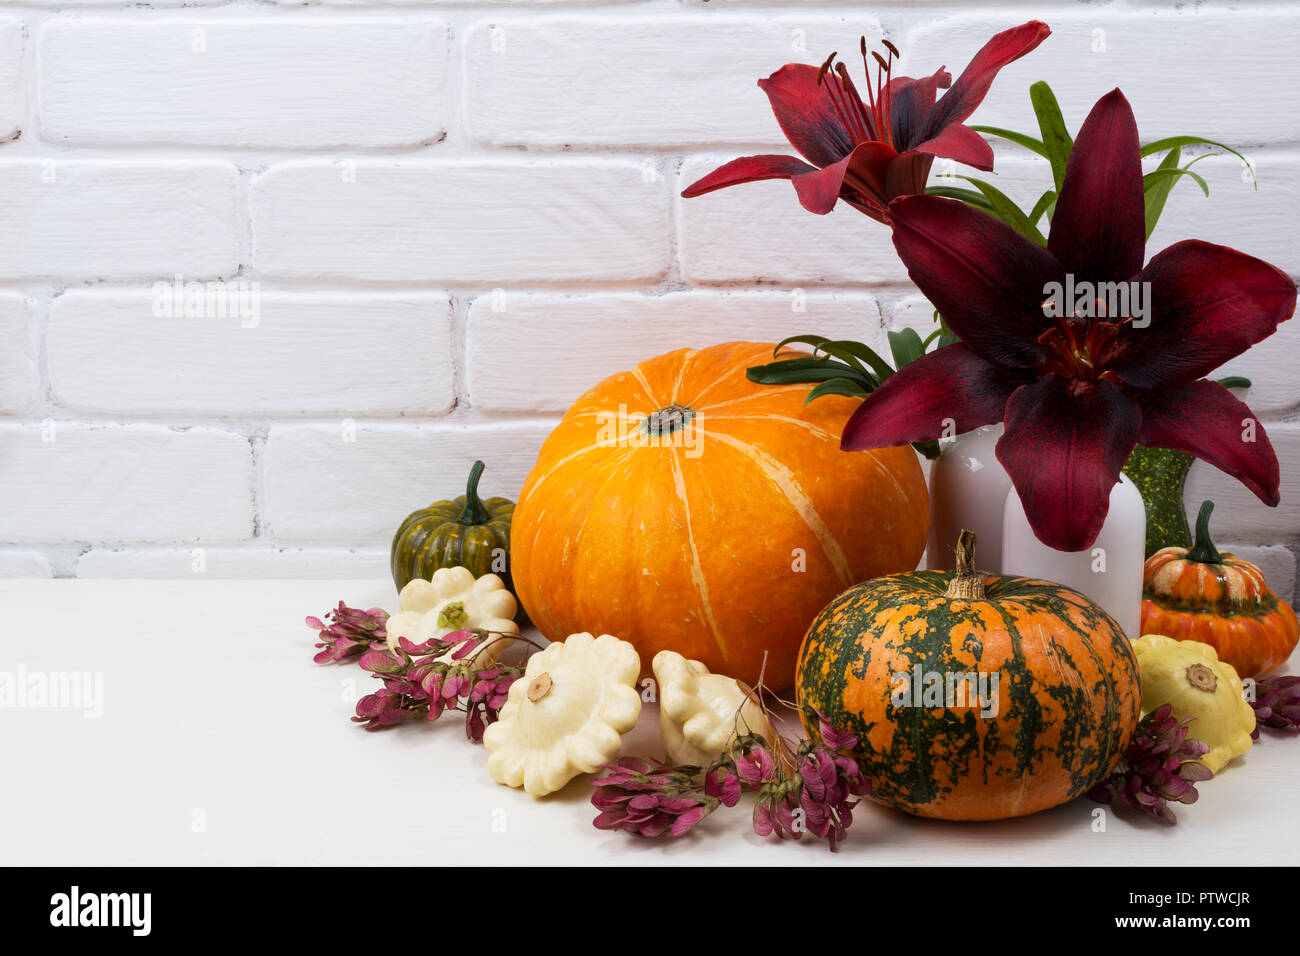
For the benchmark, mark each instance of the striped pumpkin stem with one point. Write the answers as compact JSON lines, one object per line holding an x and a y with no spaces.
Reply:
{"x":475,"y":512}
{"x":1204,"y":550}
{"x":967,"y":583}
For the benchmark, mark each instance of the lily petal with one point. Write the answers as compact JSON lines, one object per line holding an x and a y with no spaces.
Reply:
{"x":972,"y":86}
{"x":960,"y":143}
{"x":747,"y":169}
{"x":1099,"y":227}
{"x":910,"y":104}
{"x":949,"y":391}
{"x":906,"y":175}
{"x":865,"y":170}
{"x":1207,"y":304}
{"x":807,"y":114}
{"x":1064,"y":445}
{"x":985,"y":278}
{"x":1206,"y":420}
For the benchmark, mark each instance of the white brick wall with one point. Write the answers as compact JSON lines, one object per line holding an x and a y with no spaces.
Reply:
{"x":458,"y":215}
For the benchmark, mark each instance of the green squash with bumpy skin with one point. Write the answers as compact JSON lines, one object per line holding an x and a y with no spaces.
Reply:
{"x":1160,"y":474}
{"x":468,"y":532}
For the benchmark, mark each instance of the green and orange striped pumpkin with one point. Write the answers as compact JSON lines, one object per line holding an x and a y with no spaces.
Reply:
{"x":1067,"y":695}
{"x":1214,"y":597}
{"x":682,"y":507}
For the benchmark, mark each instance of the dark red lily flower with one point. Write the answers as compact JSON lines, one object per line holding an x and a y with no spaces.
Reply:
{"x":1078,"y":390}
{"x":868,"y":153}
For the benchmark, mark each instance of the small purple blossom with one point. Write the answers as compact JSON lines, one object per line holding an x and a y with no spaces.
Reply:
{"x":722,"y":783}
{"x":1277,"y":704}
{"x":649,"y":798}
{"x":349,"y":633}
{"x":1159,"y":766}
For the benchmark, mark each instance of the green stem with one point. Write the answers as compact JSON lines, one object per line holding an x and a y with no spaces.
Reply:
{"x":1204,"y":550}
{"x":475,"y":512}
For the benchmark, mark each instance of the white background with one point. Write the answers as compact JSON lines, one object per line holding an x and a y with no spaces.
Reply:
{"x":461,"y":215}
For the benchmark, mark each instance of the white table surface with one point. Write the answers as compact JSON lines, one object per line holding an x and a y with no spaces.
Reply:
{"x":221,"y":742}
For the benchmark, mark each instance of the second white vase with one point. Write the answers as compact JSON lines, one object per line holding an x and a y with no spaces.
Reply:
{"x":1109,"y":572}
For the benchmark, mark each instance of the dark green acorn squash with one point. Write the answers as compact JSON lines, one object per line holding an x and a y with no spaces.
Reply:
{"x":468,"y":532}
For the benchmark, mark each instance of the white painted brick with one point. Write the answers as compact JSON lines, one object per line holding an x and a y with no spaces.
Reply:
{"x":1277,"y":563}
{"x":758,"y":232}
{"x":118,"y":219}
{"x":307,"y":353}
{"x":462,"y":221}
{"x":1238,"y":514}
{"x":255,"y":82}
{"x":384,"y":474}
{"x":115,"y":3}
{"x":1224,"y":73}
{"x":540,"y":352}
{"x":262,"y":563}
{"x":11,"y":77}
{"x":25,"y":564}
{"x":108,"y":483}
{"x":642,"y":80}
{"x":18,"y":375}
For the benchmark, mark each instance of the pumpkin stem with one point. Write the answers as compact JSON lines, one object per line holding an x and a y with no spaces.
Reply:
{"x":669,"y":419}
{"x":475,"y":511}
{"x":1204,"y":550}
{"x":967,"y":583}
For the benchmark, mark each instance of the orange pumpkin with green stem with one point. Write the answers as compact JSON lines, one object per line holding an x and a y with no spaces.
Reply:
{"x":1202,"y":594}
{"x":683,"y":507}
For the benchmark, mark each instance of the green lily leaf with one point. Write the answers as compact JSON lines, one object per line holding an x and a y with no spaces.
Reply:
{"x":1008,"y":211}
{"x":930,"y":449}
{"x":1172,"y":142}
{"x":1045,"y":206}
{"x":1057,"y":143}
{"x":906,"y":346}
{"x":1156,"y":191}
{"x":1028,"y":142}
{"x":838,"y":386}
{"x":803,"y":370}
{"x":968,"y":196}
{"x":859,"y":354}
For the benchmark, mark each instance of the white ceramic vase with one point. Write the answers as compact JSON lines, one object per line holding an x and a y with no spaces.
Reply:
{"x":1109,"y":572}
{"x":968,"y":489}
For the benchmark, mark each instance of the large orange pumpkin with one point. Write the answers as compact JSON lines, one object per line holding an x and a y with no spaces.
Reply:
{"x":682,"y":507}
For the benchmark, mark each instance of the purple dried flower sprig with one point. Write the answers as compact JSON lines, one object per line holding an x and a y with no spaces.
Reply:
{"x":1276,"y":703}
{"x":649,"y":798}
{"x":421,"y":681}
{"x":800,"y":788}
{"x":350,"y":633}
{"x":1160,"y":766}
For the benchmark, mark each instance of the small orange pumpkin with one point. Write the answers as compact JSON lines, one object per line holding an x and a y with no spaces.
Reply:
{"x":682,"y":507}
{"x":1200,"y":594}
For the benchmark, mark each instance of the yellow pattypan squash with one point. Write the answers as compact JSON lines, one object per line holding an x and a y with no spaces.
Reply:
{"x":566,"y":715}
{"x":699,"y":711}
{"x":454,"y":600}
{"x":1189,"y":676}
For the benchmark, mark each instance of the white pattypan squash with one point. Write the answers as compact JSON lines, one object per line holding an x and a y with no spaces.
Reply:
{"x":452,"y":600}
{"x":567,"y":715}
{"x":699,"y":711}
